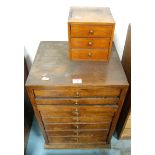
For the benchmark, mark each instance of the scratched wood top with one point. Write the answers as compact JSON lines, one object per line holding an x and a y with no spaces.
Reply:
{"x":52,"y":61}
{"x":90,"y":15}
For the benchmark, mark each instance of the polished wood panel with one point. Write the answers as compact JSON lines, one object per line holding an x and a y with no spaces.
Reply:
{"x":86,"y":54}
{"x":91,"y":31}
{"x":90,"y":43}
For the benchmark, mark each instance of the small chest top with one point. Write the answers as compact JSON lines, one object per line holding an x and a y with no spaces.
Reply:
{"x":52,"y":67}
{"x":90,"y":15}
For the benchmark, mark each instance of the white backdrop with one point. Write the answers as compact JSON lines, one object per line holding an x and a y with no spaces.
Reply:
{"x":47,"y":20}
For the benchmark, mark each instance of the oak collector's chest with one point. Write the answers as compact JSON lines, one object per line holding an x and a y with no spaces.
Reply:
{"x":76,"y":103}
{"x":90,"y":33}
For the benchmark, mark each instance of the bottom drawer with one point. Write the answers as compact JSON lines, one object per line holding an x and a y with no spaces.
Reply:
{"x":89,"y":54}
{"x":90,"y":140}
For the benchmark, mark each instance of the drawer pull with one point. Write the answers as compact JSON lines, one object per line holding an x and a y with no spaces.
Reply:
{"x":91,"y":32}
{"x":77,"y":94}
{"x":76,"y":113}
{"x":89,"y":54}
{"x":90,"y":43}
{"x":76,"y":103}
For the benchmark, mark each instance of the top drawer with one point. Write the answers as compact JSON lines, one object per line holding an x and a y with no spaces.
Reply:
{"x":91,"y":31}
{"x":78,"y":92}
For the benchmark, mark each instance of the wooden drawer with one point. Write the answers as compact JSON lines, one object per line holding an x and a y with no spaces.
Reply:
{"x":87,"y":54}
{"x":92,"y":139}
{"x":90,"y":43}
{"x":78,"y":132}
{"x":78,"y":92}
{"x":74,"y":113}
{"x":91,"y":30}
{"x":78,"y":101}
{"x":63,"y":127}
{"x":76,"y":119}
{"x":78,"y":108}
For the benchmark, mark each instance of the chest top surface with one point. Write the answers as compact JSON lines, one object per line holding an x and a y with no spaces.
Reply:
{"x":52,"y":62}
{"x":90,"y":14}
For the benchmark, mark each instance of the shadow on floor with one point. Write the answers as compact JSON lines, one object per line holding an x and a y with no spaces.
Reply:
{"x":35,"y":146}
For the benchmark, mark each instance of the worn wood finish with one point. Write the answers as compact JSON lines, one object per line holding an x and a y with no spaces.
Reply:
{"x":62,"y":108}
{"x":73,"y":126}
{"x":79,"y":108}
{"x":74,"y":113}
{"x":77,"y":132}
{"x":90,"y":28}
{"x":75,"y":119}
{"x":77,"y":101}
{"x":77,"y":139}
{"x":77,"y":92}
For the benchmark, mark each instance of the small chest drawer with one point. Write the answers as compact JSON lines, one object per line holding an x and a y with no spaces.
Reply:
{"x":90,"y":43}
{"x":91,"y":31}
{"x":86,"y":54}
{"x":78,"y":92}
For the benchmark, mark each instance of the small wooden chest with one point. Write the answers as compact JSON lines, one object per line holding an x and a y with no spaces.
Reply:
{"x":90,"y":33}
{"x":77,"y":104}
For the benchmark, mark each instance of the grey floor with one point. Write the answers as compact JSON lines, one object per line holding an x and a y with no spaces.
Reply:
{"x":35,"y":146}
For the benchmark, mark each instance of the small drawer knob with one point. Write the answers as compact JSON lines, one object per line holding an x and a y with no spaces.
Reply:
{"x":77,"y":94}
{"x":76,"y":103}
{"x":90,"y":43}
{"x":76,"y":113}
{"x":91,"y":32}
{"x":89,"y":54}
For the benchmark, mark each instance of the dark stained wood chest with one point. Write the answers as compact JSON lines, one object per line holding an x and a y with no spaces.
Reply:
{"x":76,"y":103}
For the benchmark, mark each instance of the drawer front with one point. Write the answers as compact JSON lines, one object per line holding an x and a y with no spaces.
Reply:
{"x":79,"y":108}
{"x":75,"y":113}
{"x":90,"y":42}
{"x":78,"y":101}
{"x":92,"y":139}
{"x":91,"y":31}
{"x":78,"y":132}
{"x":78,"y":92}
{"x":63,"y":127}
{"x":86,"y":54}
{"x":76,"y":119}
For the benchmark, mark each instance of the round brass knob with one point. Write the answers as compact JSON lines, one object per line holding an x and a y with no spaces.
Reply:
{"x":77,"y":94}
{"x":90,"y":43}
{"x":89,"y":54}
{"x":91,"y":32}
